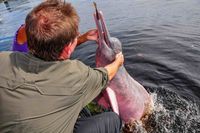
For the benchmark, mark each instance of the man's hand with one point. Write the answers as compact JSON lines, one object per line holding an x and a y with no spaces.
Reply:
{"x":119,"y":58}
{"x":92,"y":35}
{"x":113,"y":67}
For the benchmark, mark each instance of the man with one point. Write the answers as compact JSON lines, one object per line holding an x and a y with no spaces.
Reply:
{"x":44,"y":91}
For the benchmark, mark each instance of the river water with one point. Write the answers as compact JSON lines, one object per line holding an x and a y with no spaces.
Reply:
{"x":161,"y":45}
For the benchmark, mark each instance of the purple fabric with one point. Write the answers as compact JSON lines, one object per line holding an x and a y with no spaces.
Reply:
{"x":19,"y":47}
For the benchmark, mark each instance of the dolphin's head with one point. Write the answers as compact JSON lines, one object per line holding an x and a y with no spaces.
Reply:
{"x":115,"y":45}
{"x":106,"y":52}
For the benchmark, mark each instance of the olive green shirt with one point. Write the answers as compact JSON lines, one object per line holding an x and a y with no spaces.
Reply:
{"x":37,"y":96}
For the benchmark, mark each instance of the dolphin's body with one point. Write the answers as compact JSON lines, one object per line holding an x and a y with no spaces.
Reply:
{"x":126,"y":96}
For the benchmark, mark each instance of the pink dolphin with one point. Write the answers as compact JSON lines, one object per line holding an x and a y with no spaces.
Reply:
{"x":126,"y":96}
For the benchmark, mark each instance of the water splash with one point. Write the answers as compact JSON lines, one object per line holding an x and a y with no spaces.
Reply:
{"x":172,"y":114}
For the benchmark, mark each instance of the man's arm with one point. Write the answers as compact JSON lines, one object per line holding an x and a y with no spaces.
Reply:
{"x":115,"y":65}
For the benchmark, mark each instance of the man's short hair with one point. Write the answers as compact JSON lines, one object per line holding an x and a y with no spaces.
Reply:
{"x":50,"y":27}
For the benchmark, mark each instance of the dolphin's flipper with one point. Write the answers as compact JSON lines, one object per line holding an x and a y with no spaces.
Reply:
{"x":113,"y":99}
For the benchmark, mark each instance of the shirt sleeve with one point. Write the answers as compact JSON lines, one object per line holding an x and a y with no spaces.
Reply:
{"x":97,"y":80}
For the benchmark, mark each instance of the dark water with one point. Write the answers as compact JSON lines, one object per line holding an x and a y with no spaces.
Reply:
{"x":161,"y":45}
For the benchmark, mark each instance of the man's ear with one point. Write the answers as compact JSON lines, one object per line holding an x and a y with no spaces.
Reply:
{"x":67,"y":51}
{"x":72,"y":45}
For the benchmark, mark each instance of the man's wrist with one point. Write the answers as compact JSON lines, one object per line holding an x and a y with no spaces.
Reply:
{"x":81,"y":39}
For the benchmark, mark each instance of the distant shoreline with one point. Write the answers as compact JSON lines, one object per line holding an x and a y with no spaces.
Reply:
{"x":4,"y":0}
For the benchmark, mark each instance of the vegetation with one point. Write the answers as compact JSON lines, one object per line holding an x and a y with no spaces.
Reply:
{"x":94,"y":108}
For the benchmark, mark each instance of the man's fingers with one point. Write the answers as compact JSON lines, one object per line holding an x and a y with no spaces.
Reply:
{"x":119,"y":54}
